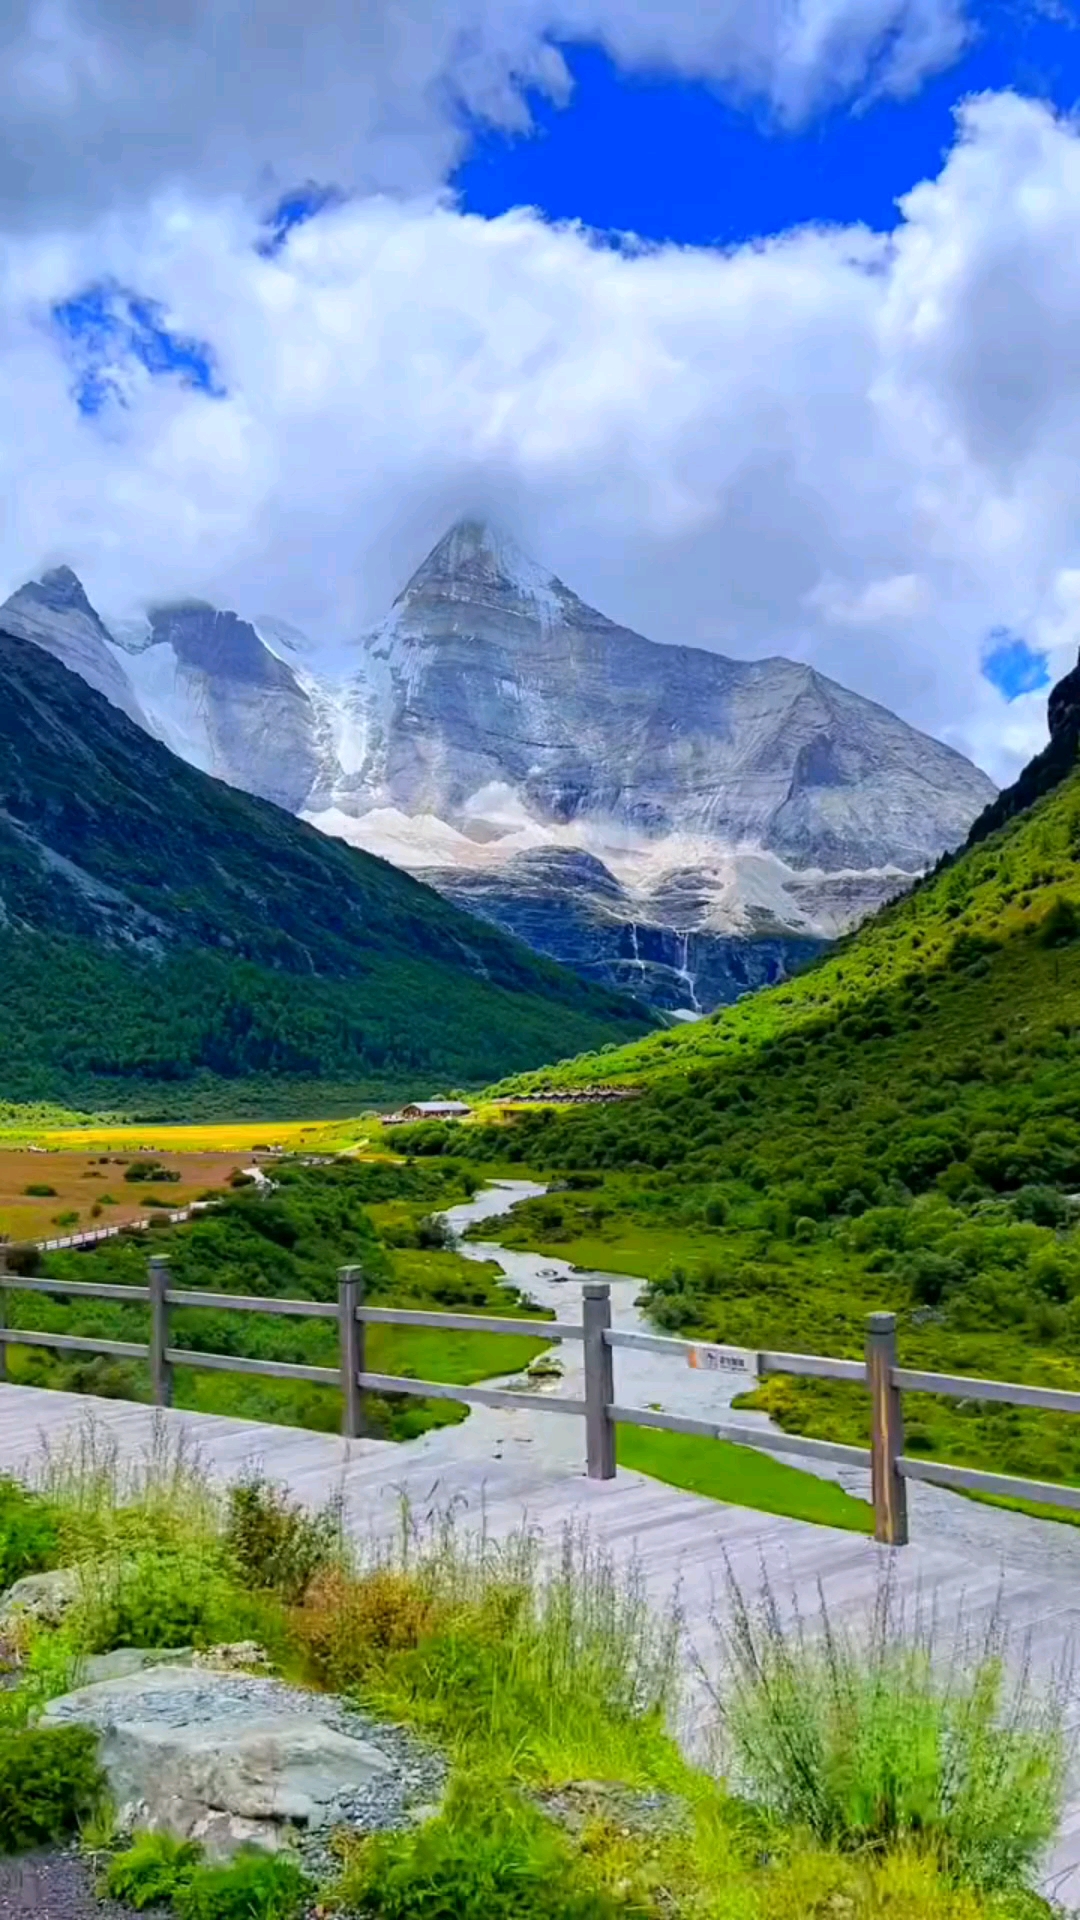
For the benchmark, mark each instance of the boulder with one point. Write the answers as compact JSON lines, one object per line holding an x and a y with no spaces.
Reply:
{"x":124,"y":1661}
{"x":41,"y":1598}
{"x":224,"y":1758}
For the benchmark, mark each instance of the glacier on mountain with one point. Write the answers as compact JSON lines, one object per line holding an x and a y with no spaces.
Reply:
{"x":665,"y":819}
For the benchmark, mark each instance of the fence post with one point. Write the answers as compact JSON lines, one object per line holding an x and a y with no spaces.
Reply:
{"x":3,"y":1315}
{"x":352,"y":1330}
{"x":886,"y":1432}
{"x":599,"y":1381}
{"x":160,"y":1370}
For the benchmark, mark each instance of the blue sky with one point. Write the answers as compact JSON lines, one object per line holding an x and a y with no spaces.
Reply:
{"x":671,"y":160}
{"x":854,"y":451}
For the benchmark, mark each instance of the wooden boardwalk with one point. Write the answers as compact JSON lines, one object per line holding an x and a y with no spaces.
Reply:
{"x":675,"y":1538}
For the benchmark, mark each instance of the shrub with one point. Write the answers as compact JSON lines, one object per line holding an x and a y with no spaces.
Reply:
{"x":1044,"y":1206}
{"x":889,"y":1739}
{"x":256,"y":1886}
{"x":141,"y":1170}
{"x":37,"y":1190}
{"x":151,"y":1872}
{"x":49,"y":1778}
{"x":487,"y":1856}
{"x":432,"y":1232}
{"x":277,"y":1544}
{"x":28,"y":1535}
{"x":165,"y":1599}
{"x":1061,"y":924}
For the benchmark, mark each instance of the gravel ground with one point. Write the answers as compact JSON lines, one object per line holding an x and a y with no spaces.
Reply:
{"x":54,"y":1886}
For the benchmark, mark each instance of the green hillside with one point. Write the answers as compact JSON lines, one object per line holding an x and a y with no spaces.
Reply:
{"x":168,"y":942}
{"x":898,"y":1128}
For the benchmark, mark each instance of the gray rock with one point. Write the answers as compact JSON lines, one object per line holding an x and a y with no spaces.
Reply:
{"x":658,"y":946}
{"x":229,"y":1760}
{"x":124,"y":1661}
{"x":44,"y":1598}
{"x":55,"y":613}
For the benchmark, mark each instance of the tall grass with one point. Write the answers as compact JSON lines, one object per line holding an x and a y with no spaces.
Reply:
{"x":558,"y":1665}
{"x":160,"y":1498}
{"x":894,"y":1735}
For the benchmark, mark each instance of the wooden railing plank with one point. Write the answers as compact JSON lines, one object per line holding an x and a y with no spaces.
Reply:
{"x":1007,"y":1486}
{"x":235,"y":1363}
{"x":816,"y":1365}
{"x":86,"y":1289}
{"x":253,"y":1303}
{"x":483,"y":1396}
{"x":469,"y":1323}
{"x":964,"y":1387}
{"x":74,"y":1343}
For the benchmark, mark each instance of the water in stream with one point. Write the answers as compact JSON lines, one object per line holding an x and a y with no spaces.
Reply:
{"x":641,"y":1379}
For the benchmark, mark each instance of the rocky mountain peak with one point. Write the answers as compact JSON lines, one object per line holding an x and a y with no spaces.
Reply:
{"x":55,"y":613}
{"x":61,"y":587}
{"x":208,"y":640}
{"x":479,"y":563}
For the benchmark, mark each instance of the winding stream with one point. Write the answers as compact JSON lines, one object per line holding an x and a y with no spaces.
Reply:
{"x":641,"y":1379}
{"x":557,"y":1441}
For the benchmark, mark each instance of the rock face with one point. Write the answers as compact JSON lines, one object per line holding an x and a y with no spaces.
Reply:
{"x":233,"y":1761}
{"x":221,"y":698}
{"x":492,"y":682}
{"x":659,"y":947}
{"x":1048,"y":768}
{"x":658,"y":817}
{"x":55,"y":613}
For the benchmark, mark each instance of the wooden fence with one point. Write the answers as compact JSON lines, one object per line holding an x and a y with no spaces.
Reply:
{"x":890,"y":1467}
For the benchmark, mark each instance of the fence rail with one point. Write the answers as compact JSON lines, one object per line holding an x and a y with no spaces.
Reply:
{"x":887,"y":1382}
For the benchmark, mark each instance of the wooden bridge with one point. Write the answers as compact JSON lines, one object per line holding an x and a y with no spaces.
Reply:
{"x":1025,"y":1574}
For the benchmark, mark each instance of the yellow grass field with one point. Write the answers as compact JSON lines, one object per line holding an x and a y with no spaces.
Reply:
{"x":94,"y":1189}
{"x":240,"y":1136}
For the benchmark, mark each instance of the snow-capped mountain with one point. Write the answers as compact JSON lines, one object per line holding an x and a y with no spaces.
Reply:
{"x":663,"y":818}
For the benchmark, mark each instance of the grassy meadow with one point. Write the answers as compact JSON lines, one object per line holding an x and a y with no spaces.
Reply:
{"x":43,"y":1194}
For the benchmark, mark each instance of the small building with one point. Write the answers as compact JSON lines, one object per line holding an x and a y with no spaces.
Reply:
{"x":435,"y":1110}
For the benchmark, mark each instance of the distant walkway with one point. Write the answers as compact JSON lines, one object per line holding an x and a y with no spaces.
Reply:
{"x":674,"y":1537}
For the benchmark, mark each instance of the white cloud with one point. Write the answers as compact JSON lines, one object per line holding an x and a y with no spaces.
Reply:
{"x":902,"y":596}
{"x":107,"y":100}
{"x":855,"y":449}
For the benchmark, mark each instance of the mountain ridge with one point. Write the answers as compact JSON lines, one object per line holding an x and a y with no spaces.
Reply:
{"x":494,"y":713}
{"x":157,"y":925}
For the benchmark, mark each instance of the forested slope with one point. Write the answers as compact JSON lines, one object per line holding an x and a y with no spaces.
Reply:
{"x":160,"y":930}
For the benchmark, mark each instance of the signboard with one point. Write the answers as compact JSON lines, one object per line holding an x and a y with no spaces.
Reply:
{"x":741,"y":1360}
